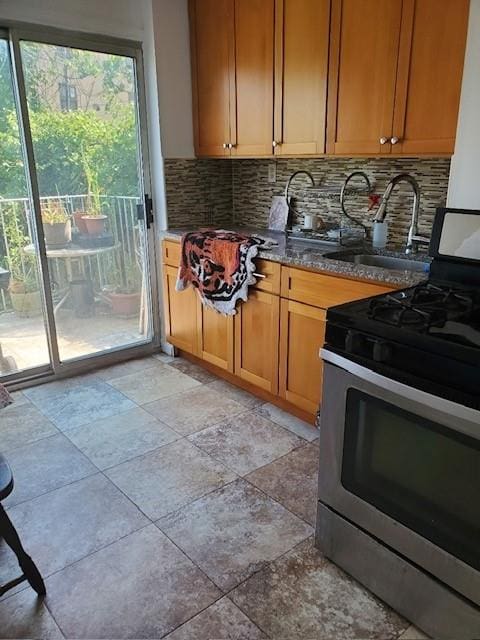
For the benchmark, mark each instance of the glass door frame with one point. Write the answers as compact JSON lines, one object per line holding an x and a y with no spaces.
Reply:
{"x":13,"y":33}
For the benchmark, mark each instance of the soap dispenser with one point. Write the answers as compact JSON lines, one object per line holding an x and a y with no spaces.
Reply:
{"x":380,"y":233}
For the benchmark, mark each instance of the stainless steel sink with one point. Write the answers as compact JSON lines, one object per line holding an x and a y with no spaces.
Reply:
{"x":387,"y":262}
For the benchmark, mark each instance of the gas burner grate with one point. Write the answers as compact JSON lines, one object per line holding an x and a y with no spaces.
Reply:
{"x":452,"y":299}
{"x":403,"y":312}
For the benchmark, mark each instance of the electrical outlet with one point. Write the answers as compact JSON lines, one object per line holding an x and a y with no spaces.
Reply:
{"x":272,"y":172}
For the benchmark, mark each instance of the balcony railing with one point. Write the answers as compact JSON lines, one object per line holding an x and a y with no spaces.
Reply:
{"x":16,"y":228}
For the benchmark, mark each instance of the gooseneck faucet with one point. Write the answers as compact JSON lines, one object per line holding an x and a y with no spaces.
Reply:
{"x":413,"y":238}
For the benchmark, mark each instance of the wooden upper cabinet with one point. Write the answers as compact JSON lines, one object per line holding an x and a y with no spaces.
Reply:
{"x":301,"y":67}
{"x":430,"y":67}
{"x":252,"y":120}
{"x":212,"y":42}
{"x":364,"y":40}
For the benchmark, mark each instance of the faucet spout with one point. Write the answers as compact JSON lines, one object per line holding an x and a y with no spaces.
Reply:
{"x":413,"y":237}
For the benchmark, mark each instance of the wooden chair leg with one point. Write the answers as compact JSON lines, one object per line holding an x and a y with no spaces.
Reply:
{"x":28,"y":567}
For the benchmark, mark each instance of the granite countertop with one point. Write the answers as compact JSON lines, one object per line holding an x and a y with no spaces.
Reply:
{"x":310,"y":255}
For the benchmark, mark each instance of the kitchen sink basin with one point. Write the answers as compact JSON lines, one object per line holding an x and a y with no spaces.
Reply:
{"x":386,"y":262}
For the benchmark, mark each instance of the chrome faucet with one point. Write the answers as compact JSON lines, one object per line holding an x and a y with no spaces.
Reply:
{"x":289,"y":182}
{"x":413,"y":238}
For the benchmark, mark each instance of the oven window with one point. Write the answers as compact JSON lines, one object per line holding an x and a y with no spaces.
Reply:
{"x":420,"y":473}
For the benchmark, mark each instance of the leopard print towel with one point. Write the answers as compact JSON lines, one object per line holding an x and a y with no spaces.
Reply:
{"x":219,"y":264}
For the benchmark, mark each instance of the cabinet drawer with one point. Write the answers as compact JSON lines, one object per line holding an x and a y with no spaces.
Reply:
{"x":324,"y":291}
{"x":271,"y":282}
{"x":171,"y":252}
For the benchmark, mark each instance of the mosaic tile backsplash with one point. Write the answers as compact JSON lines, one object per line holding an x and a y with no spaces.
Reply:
{"x":237,"y":192}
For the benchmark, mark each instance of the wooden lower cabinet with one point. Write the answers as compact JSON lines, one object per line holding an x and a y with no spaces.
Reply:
{"x":215,"y":338}
{"x":180,"y":310}
{"x":256,"y":340}
{"x":302,"y":334}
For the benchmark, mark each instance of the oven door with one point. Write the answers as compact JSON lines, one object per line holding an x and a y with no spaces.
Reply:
{"x":404,"y":466}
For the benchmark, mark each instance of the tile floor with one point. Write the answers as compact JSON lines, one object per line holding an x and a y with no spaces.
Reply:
{"x":159,"y":501}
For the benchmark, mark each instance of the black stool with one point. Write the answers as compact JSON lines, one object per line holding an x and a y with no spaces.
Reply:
{"x":9,"y":534}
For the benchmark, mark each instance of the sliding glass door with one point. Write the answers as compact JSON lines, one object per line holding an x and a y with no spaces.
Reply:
{"x":23,"y":335}
{"x":81,"y":244}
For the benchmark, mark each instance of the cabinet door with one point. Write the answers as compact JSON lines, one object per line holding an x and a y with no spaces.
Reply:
{"x":180,"y":312}
{"x":301,"y":66}
{"x":212,"y":42}
{"x":302,"y":334}
{"x":252,"y":122}
{"x":215,"y":337}
{"x":432,"y":49}
{"x":364,"y":42}
{"x":256,"y":340}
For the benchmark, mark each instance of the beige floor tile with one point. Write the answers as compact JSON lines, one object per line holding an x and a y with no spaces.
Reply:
{"x":233,"y":532}
{"x":139,"y":587}
{"x":69,"y":523}
{"x":127,"y":368}
{"x":221,"y":620}
{"x":160,"y":382}
{"x":45,"y":465}
{"x":246,"y":442}
{"x":22,"y":424}
{"x":119,"y":438}
{"x":22,"y":616}
{"x":194,"y":409}
{"x":83,"y":403}
{"x":248,"y":400}
{"x":286,"y":420}
{"x":193,"y":370}
{"x":169,"y":478}
{"x":292,"y":480}
{"x":303,"y":595}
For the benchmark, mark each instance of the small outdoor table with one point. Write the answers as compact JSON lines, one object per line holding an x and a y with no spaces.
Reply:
{"x":74,"y":255}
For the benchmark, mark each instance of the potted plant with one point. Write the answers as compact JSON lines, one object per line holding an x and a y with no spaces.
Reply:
{"x":125,"y":296}
{"x":93,"y":218}
{"x":57,"y":228}
{"x":24,"y":289}
{"x":79,"y":222}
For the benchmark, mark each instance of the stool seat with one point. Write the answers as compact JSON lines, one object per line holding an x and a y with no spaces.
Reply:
{"x":6,"y":479}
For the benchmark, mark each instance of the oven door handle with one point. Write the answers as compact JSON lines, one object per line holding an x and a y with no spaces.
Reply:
{"x":415,"y":395}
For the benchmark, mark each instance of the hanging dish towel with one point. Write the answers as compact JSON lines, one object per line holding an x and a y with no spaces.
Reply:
{"x":219,"y":264}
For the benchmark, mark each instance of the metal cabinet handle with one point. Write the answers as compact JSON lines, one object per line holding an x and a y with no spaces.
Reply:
{"x":394,"y":140}
{"x":383,"y":140}
{"x":225,"y":145}
{"x":275,"y":143}
{"x":231,"y":146}
{"x":259,"y":275}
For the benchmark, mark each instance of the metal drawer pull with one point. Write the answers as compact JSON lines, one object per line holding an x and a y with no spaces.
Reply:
{"x":259,"y":275}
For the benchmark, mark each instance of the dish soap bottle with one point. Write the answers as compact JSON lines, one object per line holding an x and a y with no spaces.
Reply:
{"x":380,"y":233}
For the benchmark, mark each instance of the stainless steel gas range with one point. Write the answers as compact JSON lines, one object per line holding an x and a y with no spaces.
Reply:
{"x":399,"y":481}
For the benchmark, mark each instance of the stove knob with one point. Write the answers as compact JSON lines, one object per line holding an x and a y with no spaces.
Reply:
{"x":381,"y":351}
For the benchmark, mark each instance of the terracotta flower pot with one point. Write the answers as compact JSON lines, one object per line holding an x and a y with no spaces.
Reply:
{"x":95,"y":225}
{"x":26,"y":305}
{"x":125,"y":304}
{"x":79,"y":222}
{"x":58,"y":234}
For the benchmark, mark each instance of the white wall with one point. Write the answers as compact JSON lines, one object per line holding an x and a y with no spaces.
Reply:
{"x":464,"y":184}
{"x":121,"y":18}
{"x":172,"y":51}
